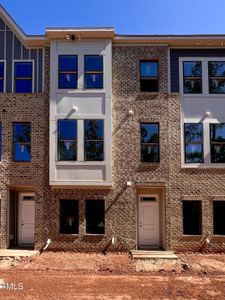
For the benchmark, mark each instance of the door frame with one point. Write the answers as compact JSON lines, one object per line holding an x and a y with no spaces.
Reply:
{"x":138,"y":220}
{"x":20,"y":196}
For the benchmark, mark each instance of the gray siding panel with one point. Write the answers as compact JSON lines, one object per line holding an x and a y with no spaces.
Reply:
{"x":2,"y":44}
{"x":9,"y":37}
{"x":25,"y":53}
{"x":40,"y":59}
{"x":33,"y":56}
{"x":2,"y":24}
{"x":174,"y":61}
{"x":17,"y":48}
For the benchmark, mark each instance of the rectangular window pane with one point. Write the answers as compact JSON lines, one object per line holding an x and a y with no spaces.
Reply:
{"x":93,"y":63}
{"x":149,"y":76}
{"x":1,"y":77}
{"x":192,"y":217}
{"x":94,"y":140}
{"x":22,"y":142}
{"x":192,"y":72}
{"x":67,"y":139}
{"x":193,"y":139}
{"x":68,"y":65}
{"x":218,"y":217}
{"x":216,"y":77}
{"x":23,"y":72}
{"x":95,"y":216}
{"x":0,"y":141}
{"x":93,"y":67}
{"x":149,"y":142}
{"x":69,"y":217}
{"x":217,"y":135}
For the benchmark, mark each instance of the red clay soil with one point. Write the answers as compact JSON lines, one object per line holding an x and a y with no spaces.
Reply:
{"x":95,"y":276}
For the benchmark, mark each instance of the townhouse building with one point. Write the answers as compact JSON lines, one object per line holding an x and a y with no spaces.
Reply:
{"x":111,"y":142}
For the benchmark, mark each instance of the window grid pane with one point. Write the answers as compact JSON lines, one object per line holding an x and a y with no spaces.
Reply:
{"x":93,"y":140}
{"x":149,"y":142}
{"x":67,"y":140}
{"x":192,"y":77}
{"x":22,"y":142}
{"x":217,"y":139}
{"x":149,"y":76}
{"x":68,"y":76}
{"x":69,"y":217}
{"x":193,"y":143}
{"x":23,"y":77}
{"x":95,"y":216}
{"x":93,"y":68}
{"x":216,"y":77}
{"x":192,"y":217}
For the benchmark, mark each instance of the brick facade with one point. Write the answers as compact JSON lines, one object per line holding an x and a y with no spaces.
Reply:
{"x":167,"y":178}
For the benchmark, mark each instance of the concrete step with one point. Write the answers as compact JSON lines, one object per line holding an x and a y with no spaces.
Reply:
{"x":17,"y":253}
{"x":153,"y":254}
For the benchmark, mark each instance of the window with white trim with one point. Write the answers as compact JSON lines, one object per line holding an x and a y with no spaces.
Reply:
{"x":23,"y":77}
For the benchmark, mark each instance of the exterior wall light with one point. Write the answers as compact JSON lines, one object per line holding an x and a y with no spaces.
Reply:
{"x":75,"y":108}
{"x":129,"y":183}
{"x":208,"y":113}
{"x":131,"y":112}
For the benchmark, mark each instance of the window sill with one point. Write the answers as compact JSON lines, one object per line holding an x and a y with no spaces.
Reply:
{"x":80,"y":91}
{"x":80,"y":163}
{"x":203,"y":95}
{"x":203,"y":166}
{"x":95,"y":234}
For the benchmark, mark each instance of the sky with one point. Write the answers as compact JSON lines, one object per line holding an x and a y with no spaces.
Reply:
{"x":127,"y":16}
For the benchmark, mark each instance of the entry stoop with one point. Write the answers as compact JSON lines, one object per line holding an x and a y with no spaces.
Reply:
{"x":153,"y":254}
{"x":17,"y":253}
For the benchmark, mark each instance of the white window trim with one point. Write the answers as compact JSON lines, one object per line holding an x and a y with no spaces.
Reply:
{"x":205,"y":76}
{"x":13,"y":68}
{"x":4,"y":79}
{"x":206,"y":148}
{"x":80,"y":73}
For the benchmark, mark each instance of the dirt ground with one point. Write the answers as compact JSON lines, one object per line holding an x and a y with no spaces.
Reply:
{"x":113,"y":276}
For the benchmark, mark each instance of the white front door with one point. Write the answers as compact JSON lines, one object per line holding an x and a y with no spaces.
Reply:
{"x":148,"y":222}
{"x":26,"y":219}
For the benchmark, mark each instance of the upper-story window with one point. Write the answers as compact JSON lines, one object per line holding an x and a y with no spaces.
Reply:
{"x":23,"y":74}
{"x":93,"y":140}
{"x":193,"y":139}
{"x":0,"y":141}
{"x":1,"y":77}
{"x":217,"y":135}
{"x":149,"y":76}
{"x":192,"y":72}
{"x":93,"y":69}
{"x":216,"y":77}
{"x":68,"y":71}
{"x":67,"y":140}
{"x":22,"y":141}
{"x":149,"y":142}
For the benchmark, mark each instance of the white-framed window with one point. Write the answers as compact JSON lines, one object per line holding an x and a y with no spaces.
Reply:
{"x":2,"y":76}
{"x":202,"y":76}
{"x":23,"y":76}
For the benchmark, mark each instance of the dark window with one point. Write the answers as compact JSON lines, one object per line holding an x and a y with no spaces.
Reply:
{"x":1,"y":77}
{"x":0,"y":140}
{"x":193,"y":139}
{"x":67,"y":71}
{"x":216,"y":77}
{"x":149,"y":76}
{"x":192,"y":217}
{"x":192,"y":71}
{"x":93,"y":68}
{"x":95,"y":216}
{"x":69,"y":217}
{"x":22,"y":141}
{"x":23,"y":72}
{"x":149,"y":142}
{"x":67,"y":139}
{"x":217,"y":133}
{"x":218,"y":217}
{"x":93,"y":140}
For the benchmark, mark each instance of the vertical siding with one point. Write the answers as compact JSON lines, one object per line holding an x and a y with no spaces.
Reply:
{"x":12,"y":49}
{"x":174,"y":61}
